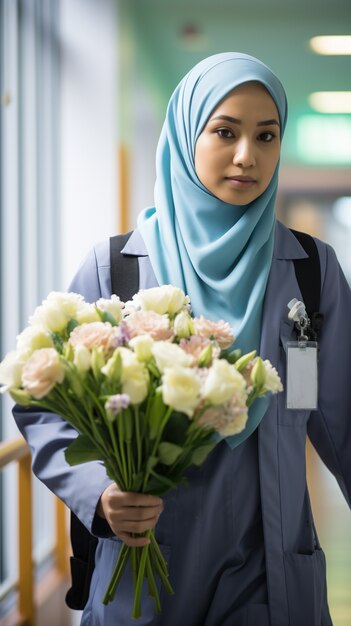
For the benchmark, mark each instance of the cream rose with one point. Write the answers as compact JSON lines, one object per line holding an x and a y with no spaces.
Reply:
{"x":82,"y":358}
{"x":112,"y":306}
{"x":181,"y":389}
{"x":56,"y":311}
{"x":142,"y":346}
{"x":87,"y":314}
{"x":33,"y":338}
{"x":222,"y":382}
{"x":41,"y":372}
{"x":134,"y":376}
{"x":169,"y":354}
{"x":164,"y":299}
{"x":11,"y":370}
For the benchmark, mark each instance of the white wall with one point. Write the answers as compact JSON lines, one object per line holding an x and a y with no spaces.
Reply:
{"x":88,"y":164}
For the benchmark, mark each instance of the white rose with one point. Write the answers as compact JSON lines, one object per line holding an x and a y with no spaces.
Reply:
{"x":134,"y":377}
{"x":142,"y":346}
{"x":33,"y":338}
{"x":11,"y":370}
{"x":183,"y":325}
{"x":181,"y":389}
{"x":169,"y":354}
{"x":82,"y":358}
{"x":164,"y":299}
{"x":222,"y":382}
{"x":112,"y":306}
{"x":56,"y":311}
{"x":50,"y":317}
{"x":87,"y":314}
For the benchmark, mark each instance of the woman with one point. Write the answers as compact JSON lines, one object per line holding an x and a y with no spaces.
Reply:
{"x":240,"y":540}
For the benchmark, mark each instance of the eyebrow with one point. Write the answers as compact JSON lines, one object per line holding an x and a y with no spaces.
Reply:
{"x":235,"y":120}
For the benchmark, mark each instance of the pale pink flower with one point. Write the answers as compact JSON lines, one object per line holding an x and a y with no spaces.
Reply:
{"x":149,"y":323}
{"x":92,"y":335}
{"x":220,"y":331}
{"x":41,"y":372}
{"x":228,"y":419}
{"x":195,"y":346}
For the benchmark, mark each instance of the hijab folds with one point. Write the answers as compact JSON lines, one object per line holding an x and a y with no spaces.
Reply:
{"x":219,"y":254}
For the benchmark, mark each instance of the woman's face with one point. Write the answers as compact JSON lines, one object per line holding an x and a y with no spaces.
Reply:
{"x":238,"y":149}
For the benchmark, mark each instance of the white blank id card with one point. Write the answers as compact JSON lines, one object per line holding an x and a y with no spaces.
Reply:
{"x":302,"y":375}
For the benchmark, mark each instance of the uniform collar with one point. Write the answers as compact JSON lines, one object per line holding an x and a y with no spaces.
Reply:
{"x":135,"y":245}
{"x":286,"y":246}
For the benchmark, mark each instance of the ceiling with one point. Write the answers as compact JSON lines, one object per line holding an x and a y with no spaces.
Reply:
{"x":170,"y":36}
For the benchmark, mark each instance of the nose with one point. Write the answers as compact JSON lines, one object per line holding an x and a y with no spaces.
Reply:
{"x":244,"y":153}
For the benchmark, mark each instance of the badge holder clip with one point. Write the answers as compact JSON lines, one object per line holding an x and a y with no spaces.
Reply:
{"x":302,"y":369}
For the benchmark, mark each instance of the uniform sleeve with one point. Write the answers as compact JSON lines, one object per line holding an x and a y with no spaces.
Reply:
{"x":48,"y":436}
{"x":329,"y":428}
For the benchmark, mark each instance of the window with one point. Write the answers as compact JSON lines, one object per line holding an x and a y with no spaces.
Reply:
{"x":29,"y":217}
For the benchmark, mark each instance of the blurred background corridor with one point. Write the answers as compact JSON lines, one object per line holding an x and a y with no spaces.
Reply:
{"x":84,"y":86}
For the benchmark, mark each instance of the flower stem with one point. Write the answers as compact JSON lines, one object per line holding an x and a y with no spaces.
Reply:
{"x":152,"y":586}
{"x":117,"y":574}
{"x":139,"y":584}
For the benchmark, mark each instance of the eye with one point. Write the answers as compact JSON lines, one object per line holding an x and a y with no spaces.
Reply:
{"x":224,"y":133}
{"x":266,"y":136}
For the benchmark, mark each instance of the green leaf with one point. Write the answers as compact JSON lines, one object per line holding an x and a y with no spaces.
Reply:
{"x":176,"y":428}
{"x":151,"y":462}
{"x":232,"y":356}
{"x":105,"y":316}
{"x":157,"y":410}
{"x":82,"y":450}
{"x":169,"y":452}
{"x":71,"y":326}
{"x":137,"y":482}
{"x":58,"y":342}
{"x":201,"y":453}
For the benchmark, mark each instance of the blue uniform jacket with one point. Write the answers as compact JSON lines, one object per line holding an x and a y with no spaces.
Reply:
{"x":294,"y":560}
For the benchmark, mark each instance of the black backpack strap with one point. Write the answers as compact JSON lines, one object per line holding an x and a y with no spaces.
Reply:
{"x":82,"y":564}
{"x":308,"y":274}
{"x":124,"y":269}
{"x":124,"y":283}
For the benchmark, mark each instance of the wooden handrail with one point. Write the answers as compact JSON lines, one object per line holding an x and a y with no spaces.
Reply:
{"x":12,"y":451}
{"x":17,"y":450}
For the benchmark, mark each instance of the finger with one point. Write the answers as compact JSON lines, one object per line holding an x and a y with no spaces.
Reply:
{"x":136,"y":514}
{"x":138,"y":499}
{"x":137,"y":527}
{"x":133,"y":542}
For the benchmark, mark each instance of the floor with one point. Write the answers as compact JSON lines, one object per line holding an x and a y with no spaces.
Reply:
{"x":333,"y":521}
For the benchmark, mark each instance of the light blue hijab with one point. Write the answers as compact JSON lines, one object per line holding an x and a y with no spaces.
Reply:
{"x":220,"y":254}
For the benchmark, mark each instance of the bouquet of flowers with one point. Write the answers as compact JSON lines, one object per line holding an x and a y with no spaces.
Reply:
{"x":149,"y":389}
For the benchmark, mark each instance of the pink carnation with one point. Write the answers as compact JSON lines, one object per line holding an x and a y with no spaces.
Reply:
{"x":227,"y":419}
{"x":92,"y":335}
{"x":149,"y":323}
{"x":195,"y":345}
{"x":220,"y":331}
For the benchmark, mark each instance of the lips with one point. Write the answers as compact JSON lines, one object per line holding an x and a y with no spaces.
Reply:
{"x":244,"y":179}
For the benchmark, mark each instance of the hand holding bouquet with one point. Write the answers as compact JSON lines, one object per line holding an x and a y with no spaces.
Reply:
{"x":146,"y":386}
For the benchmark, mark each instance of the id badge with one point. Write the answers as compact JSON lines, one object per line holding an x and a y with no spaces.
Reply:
{"x":302,"y":375}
